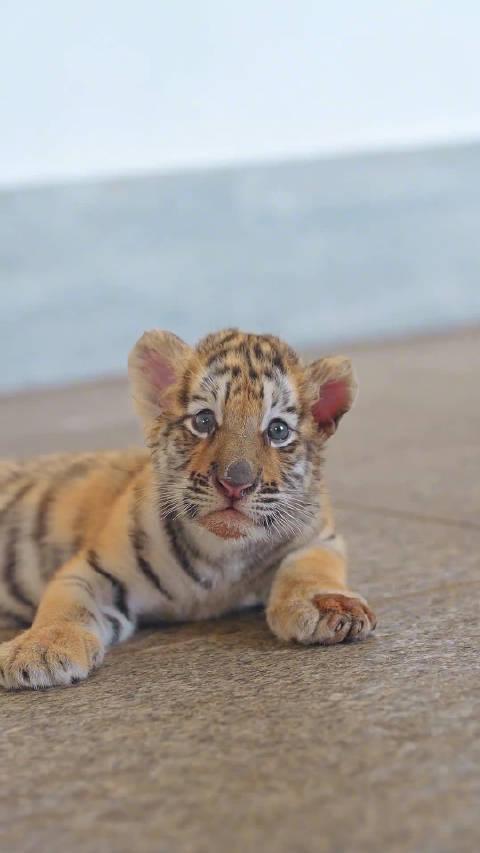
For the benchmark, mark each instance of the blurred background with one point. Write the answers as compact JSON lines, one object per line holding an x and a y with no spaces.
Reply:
{"x":307,"y":169}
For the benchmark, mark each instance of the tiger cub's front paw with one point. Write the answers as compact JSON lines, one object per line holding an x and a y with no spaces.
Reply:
{"x":325,"y":618}
{"x":43,"y":657}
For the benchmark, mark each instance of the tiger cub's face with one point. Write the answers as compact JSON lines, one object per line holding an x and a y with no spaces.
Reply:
{"x":236,"y":427}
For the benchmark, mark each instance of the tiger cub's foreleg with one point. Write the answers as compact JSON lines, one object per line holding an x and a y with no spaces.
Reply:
{"x":311,"y":603}
{"x":83,"y":610}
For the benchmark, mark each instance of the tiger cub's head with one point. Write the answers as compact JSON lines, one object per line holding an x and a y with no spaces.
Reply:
{"x":236,"y":426}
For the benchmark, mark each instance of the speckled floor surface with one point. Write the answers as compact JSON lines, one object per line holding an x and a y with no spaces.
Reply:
{"x":214,"y":737}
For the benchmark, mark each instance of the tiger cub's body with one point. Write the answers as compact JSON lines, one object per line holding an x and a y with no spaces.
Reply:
{"x":226,"y":509}
{"x":57,"y":506}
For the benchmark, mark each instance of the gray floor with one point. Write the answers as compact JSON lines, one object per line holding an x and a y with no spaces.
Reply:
{"x":214,"y":737}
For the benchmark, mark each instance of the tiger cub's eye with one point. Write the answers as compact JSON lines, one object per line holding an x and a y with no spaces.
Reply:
{"x":278,"y":431}
{"x":204,"y":422}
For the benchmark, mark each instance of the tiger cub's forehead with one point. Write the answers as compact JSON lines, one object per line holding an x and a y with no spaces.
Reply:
{"x":247,"y":374}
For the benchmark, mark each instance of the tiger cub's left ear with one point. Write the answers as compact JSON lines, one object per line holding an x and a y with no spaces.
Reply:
{"x":155,"y":364}
{"x":333,"y":389}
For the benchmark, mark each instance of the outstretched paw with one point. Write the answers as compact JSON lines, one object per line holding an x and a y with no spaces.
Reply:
{"x":325,"y":618}
{"x":52,"y":655}
{"x":343,"y":618}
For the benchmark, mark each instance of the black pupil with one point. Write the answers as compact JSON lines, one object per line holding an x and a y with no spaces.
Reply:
{"x":278,"y":430}
{"x":204,"y":421}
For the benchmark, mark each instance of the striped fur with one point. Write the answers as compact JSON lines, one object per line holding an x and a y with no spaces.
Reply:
{"x":93,"y":544}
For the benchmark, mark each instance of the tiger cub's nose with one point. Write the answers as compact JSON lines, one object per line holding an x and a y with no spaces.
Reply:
{"x":237,"y":477}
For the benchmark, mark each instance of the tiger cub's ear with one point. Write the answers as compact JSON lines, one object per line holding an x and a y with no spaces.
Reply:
{"x":333,"y":389}
{"x":156,"y":362}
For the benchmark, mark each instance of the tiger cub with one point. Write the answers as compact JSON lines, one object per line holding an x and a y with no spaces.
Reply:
{"x":226,"y":509}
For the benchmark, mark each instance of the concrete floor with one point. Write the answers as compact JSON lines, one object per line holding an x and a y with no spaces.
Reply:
{"x":215,"y":737}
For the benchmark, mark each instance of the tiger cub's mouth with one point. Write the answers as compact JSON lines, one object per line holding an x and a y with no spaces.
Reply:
{"x":229,"y":523}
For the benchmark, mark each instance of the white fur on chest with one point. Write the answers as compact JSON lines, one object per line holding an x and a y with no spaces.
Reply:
{"x":226,"y":582}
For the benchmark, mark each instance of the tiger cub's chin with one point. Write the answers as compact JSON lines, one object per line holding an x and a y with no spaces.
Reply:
{"x":228,"y":524}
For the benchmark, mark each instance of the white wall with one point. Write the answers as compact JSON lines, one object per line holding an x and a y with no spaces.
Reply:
{"x":105,"y":86}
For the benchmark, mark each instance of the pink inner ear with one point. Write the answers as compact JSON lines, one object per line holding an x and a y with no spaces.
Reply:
{"x":332,"y":403}
{"x":159,"y":371}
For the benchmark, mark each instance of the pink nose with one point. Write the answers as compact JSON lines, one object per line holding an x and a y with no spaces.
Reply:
{"x":237,"y":477}
{"x":230,"y":490}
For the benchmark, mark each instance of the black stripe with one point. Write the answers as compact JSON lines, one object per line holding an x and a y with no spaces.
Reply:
{"x":174,"y":424}
{"x":9,"y":571}
{"x":180,"y":551}
{"x":191,"y":508}
{"x":289,"y":448}
{"x":218,"y":355}
{"x":39,"y":532}
{"x":184,"y":392}
{"x":14,"y":619}
{"x":137,"y":538}
{"x":75,"y":580}
{"x":116,"y":628}
{"x":198,"y":490}
{"x":218,"y":372}
{"x":292,"y":479}
{"x":202,"y":478}
{"x":15,"y":498}
{"x":228,"y":337}
{"x":120,"y":590}
{"x":92,"y":615}
{"x":11,"y":477}
{"x":248,"y":357}
{"x":82,"y":583}
{"x":278,"y":362}
{"x":40,"y":527}
{"x":209,"y":389}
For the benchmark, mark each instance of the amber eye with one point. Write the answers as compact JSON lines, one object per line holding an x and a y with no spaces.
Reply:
{"x":278,"y":431}
{"x":204,"y":422}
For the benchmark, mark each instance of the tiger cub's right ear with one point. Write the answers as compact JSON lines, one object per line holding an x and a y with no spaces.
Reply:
{"x":155,"y":363}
